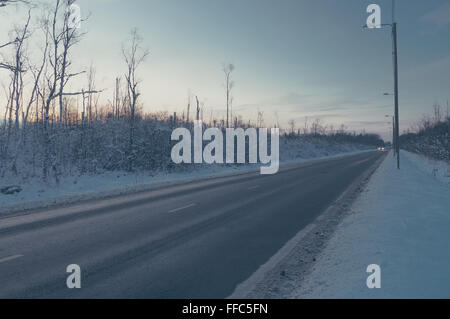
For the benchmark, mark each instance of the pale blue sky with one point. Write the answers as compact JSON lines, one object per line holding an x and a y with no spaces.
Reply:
{"x":294,"y":57}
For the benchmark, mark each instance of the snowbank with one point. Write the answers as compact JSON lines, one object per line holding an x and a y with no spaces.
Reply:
{"x":439,"y":169}
{"x":36,"y":194}
{"x":400,"y":223}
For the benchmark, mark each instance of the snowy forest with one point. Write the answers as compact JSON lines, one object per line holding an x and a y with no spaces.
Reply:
{"x":431,"y":135}
{"x":52,"y":127}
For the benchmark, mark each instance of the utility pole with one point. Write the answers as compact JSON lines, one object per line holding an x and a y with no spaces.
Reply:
{"x":395,"y":62}
{"x":393,"y":135}
{"x":397,"y":139}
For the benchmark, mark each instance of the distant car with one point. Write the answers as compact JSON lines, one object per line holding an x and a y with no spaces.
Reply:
{"x":380,"y":148}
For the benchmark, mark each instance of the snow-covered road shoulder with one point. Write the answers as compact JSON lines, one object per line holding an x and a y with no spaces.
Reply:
{"x":36,"y":194}
{"x":401,"y":223}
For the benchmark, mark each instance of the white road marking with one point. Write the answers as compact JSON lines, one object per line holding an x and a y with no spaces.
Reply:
{"x":253,"y":187}
{"x":360,"y":162}
{"x":10,"y":258}
{"x":181,"y":208}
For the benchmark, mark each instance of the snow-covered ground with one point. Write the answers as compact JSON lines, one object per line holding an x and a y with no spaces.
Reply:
{"x":70,"y":189}
{"x":401,"y":223}
{"x":439,"y":169}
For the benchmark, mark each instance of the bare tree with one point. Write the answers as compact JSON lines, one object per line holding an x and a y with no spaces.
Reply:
{"x":16,"y":66}
{"x":117,"y":98}
{"x":292,"y":126}
{"x":3,"y":65}
{"x":342,"y":129}
{"x":277,"y":119}
{"x":91,"y":88}
{"x":197,"y":117}
{"x":37,"y":72}
{"x":437,"y":113}
{"x":231,"y":107}
{"x":447,"y":115}
{"x":61,"y":40}
{"x":316,"y":127}
{"x":134,"y":56}
{"x":305,"y":127}
{"x":68,"y":37}
{"x":188,"y":106}
{"x":15,"y":90}
{"x":228,"y":70}
{"x":260,"y":119}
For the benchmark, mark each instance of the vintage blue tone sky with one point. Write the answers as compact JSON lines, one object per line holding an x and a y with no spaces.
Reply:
{"x":293,"y":58}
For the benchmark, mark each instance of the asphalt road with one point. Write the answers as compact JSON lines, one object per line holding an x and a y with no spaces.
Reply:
{"x":197,"y":240}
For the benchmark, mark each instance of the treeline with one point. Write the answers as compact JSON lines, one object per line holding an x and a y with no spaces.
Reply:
{"x":103,"y":144}
{"x":341,"y":136}
{"x":430,"y":136}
